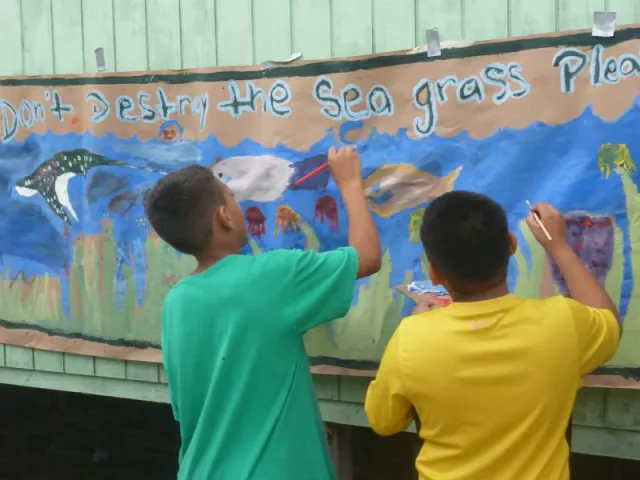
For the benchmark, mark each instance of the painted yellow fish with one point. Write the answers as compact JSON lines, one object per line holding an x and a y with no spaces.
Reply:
{"x":396,"y":187}
{"x":287,"y":220}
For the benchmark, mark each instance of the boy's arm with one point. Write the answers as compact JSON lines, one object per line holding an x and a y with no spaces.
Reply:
{"x":323,"y":285}
{"x":582,"y":286}
{"x":597,"y":335}
{"x":387,"y":407}
{"x":363,"y":234}
{"x":597,"y":320}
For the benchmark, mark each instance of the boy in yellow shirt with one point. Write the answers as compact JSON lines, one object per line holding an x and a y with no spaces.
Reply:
{"x":492,"y":377}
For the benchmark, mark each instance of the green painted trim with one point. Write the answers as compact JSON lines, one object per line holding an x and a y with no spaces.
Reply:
{"x":582,"y":39}
{"x":606,"y":442}
{"x":109,"y":387}
{"x":592,"y":440}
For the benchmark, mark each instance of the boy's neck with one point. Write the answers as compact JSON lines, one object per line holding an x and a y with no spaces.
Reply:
{"x":496,"y":291}
{"x":210,"y":258}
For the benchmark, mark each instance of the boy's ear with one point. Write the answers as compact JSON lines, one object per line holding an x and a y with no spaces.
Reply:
{"x":221,"y":217}
{"x":434,"y":274}
{"x":513,"y":244}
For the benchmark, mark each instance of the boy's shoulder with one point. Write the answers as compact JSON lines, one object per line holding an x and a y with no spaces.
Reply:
{"x":290,"y":257}
{"x":553,"y":304}
{"x":422,"y":320}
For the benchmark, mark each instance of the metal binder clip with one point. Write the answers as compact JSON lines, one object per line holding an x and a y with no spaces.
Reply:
{"x":101,"y":64}
{"x":604,"y":24}
{"x":433,"y":43}
{"x":443,"y":46}
{"x":269,"y":64}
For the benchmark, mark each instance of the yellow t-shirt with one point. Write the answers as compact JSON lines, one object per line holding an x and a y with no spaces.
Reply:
{"x":493,"y":384}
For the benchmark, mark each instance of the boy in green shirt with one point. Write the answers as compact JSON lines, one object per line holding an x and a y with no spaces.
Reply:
{"x":232,"y":332}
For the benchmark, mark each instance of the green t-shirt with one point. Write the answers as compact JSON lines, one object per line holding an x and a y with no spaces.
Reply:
{"x":238,"y":372}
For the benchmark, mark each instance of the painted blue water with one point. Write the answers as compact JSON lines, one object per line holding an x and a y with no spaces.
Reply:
{"x":556,"y":164}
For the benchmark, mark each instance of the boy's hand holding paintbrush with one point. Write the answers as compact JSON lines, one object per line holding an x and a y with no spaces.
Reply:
{"x":549,"y":227}
{"x":346,"y":171}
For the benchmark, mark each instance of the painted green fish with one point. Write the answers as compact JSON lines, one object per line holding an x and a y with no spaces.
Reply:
{"x":612,"y":156}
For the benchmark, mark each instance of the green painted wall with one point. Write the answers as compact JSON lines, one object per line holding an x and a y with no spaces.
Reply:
{"x":60,"y":36}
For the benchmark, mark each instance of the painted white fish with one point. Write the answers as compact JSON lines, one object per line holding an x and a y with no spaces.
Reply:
{"x":261,"y":178}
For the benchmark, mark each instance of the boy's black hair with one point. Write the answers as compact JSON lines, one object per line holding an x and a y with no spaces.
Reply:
{"x":181,"y":205}
{"x":466,"y":237}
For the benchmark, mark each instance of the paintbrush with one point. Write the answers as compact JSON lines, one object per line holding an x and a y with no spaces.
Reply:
{"x":538,"y":220}
{"x":359,"y":147}
{"x":312,"y":173}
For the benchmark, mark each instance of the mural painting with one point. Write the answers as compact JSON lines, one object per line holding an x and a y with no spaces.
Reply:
{"x":551,"y":119}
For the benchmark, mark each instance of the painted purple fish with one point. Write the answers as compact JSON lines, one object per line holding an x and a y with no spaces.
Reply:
{"x":591,"y":238}
{"x":317,"y":182}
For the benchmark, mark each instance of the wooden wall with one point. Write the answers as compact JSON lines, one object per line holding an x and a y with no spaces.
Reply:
{"x":60,"y":36}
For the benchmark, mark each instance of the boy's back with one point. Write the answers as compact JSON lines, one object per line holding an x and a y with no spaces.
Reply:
{"x":494,"y":383}
{"x":237,"y":368}
{"x":493,"y":377}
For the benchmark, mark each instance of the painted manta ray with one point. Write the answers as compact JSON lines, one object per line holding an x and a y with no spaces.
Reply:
{"x":51,"y":178}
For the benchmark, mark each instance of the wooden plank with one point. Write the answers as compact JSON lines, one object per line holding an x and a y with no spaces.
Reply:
{"x":606,"y":442}
{"x":401,"y":14}
{"x":48,"y":361}
{"x":339,"y":440}
{"x":37,"y":44}
{"x":344,"y":413}
{"x":623,"y":410}
{"x":485,"y":20}
{"x":18,"y":357}
{"x":68,"y":56}
{"x":573,"y":15}
{"x":326,"y":387}
{"x":234,"y":25}
{"x":271,"y":30}
{"x":162,"y":375}
{"x":351,"y":37}
{"x":353,"y":389}
{"x":347,"y":414}
{"x":311,"y":23}
{"x":37,"y":58}
{"x":142,"y":372}
{"x":11,"y":38}
{"x":97,"y":27}
{"x":130,"y":22}
{"x":198,"y":27}
{"x":79,"y":364}
{"x":627,"y":11}
{"x":528,"y":18}
{"x":445,"y":15}
{"x":589,"y":407}
{"x":163,"y":34}
{"x":98,"y":31}
{"x":90,"y":385}
{"x":110,"y":368}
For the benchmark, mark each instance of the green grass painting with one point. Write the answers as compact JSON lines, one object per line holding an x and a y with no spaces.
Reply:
{"x":361,"y":335}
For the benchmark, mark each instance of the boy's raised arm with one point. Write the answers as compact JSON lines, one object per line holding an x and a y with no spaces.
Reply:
{"x":324,"y":282}
{"x":597,"y":322}
{"x":582,"y":286}
{"x":363,"y":235}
